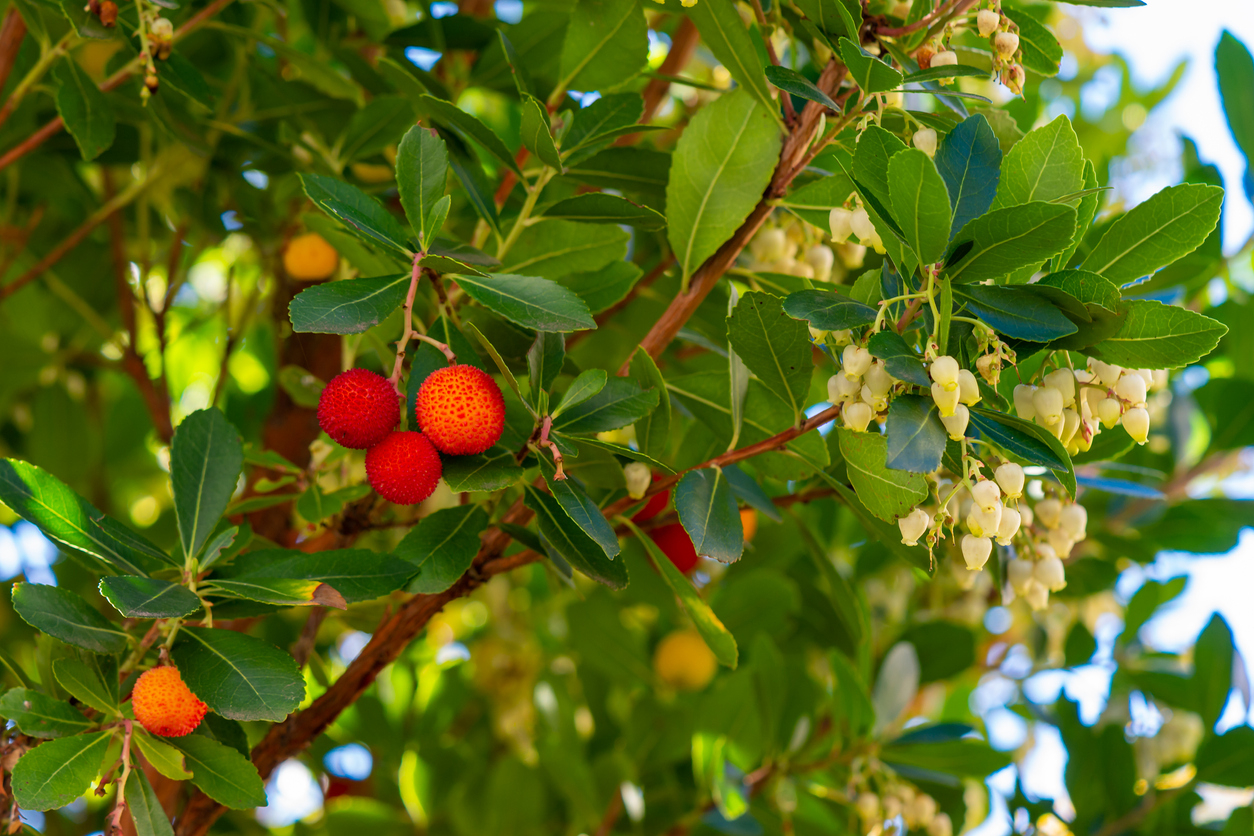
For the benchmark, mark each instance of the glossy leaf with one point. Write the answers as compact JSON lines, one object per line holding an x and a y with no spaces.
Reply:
{"x":915,"y":435}
{"x":1158,"y":336}
{"x":84,"y":109}
{"x":488,"y":471}
{"x":356,"y":574}
{"x":55,"y":773}
{"x":828,"y":310}
{"x":599,"y":208}
{"x":920,"y":203}
{"x":620,"y":403}
{"x":443,"y":546}
{"x":358,"y":211}
{"x":205,"y":461}
{"x":94,"y":685}
{"x":888,"y":494}
{"x":707,"y":509}
{"x":900,"y":360}
{"x":142,"y":803}
{"x":723,"y":31}
{"x":1045,"y":165}
{"x":531,"y":302}
{"x":773,"y":346}
{"x":39,"y":715}
{"x":793,"y":82}
{"x":582,"y":510}
{"x":469,"y":127}
{"x":139,"y":597}
{"x":64,"y":615}
{"x":221,"y":773}
{"x":606,"y":45}
{"x":1026,"y":441}
{"x":969,"y":160}
{"x":570,"y":542}
{"x":421,"y":174}
{"x":1016,"y":311}
{"x":1006,"y":243}
{"x":162,"y":756}
{"x":652,"y":430}
{"x":238,"y":676}
{"x":537,"y":134}
{"x":1156,"y":232}
{"x":870,"y":73}
{"x":282,"y":592}
{"x":588,"y":384}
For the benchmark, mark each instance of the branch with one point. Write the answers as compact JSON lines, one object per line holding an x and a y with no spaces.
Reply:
{"x":11,"y":34}
{"x":683,"y":45}
{"x":791,"y":157}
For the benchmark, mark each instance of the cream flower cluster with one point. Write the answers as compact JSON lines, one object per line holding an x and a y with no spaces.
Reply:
{"x":862,"y":387}
{"x":790,"y":249}
{"x":918,"y":810}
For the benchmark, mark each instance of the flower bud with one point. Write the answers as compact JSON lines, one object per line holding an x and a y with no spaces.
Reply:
{"x":1160,"y":378}
{"x":1006,"y":44}
{"x":1009,"y":526}
{"x":989,"y":367}
{"x":839,"y":220}
{"x":956,"y":424}
{"x":162,"y":29}
{"x":1019,"y":573}
{"x":913,"y":526}
{"x":975,"y":551}
{"x":817,"y":334}
{"x":1106,"y":373}
{"x":1074,"y":519}
{"x":1009,"y":478}
{"x":638,"y":479}
{"x":1036,"y":594}
{"x":1064,"y":381}
{"x":820,"y":259}
{"x":925,"y":141}
{"x":769,"y":245}
{"x":857,"y":416}
{"x":841,"y":389}
{"x":860,"y":224}
{"x":1108,"y":412}
{"x":1137,"y":422}
{"x":1048,"y":404}
{"x":1131,"y":388}
{"x":878,"y":403}
{"x":1049,"y":511}
{"x":946,"y":399}
{"x":944,"y":370}
{"x":1061,"y":541}
{"x":983,"y":523}
{"x":986,"y":494}
{"x":878,"y":378}
{"x":1023,"y":401}
{"x":856,"y":360}
{"x":968,"y":388}
{"x":1070,"y":423}
{"x":946,"y":58}
{"x":988,"y":21}
{"x":1050,"y":573}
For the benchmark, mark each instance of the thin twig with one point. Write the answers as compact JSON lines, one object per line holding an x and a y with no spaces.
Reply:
{"x":415,"y":274}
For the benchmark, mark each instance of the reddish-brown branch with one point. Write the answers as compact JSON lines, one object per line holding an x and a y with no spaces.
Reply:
{"x":12,"y":31}
{"x":510,"y":179}
{"x":794,"y":150}
{"x":683,"y":45}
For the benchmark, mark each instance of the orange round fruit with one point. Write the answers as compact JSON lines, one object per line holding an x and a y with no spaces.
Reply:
{"x":749,"y":522}
{"x":684,"y":661}
{"x":164,"y":705}
{"x":404,"y":468}
{"x":309,"y":258}
{"x":461,"y":410}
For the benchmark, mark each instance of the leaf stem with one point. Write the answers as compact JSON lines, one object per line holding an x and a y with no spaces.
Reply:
{"x":409,"y":333}
{"x":529,"y":205}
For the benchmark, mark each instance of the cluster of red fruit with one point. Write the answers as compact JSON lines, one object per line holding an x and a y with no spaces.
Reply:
{"x":460,"y":411}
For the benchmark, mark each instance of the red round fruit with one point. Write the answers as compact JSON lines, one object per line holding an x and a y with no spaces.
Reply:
{"x":655,"y":505}
{"x":404,"y":468}
{"x":675,"y":543}
{"x":359,"y":408}
{"x":460,"y":408}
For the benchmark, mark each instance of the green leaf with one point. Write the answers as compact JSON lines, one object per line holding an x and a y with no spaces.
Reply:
{"x":282,"y":592}
{"x":642,"y":171}
{"x":220,"y":543}
{"x":357,"y":574}
{"x":1146,"y":601}
{"x":1212,"y":670}
{"x":421,"y":175}
{"x":205,"y":461}
{"x":814,"y":201}
{"x":652,"y":430}
{"x":544,"y":362}
{"x":138,"y":597}
{"x":488,"y":471}
{"x":600,"y":208}
{"x":773,"y":346}
{"x":589,"y":383}
{"x":570,"y":542}
{"x":238,"y":676}
{"x":1066,"y":287}
{"x":582,"y":510}
{"x":1006,"y":243}
{"x":1026,"y":441}
{"x":1158,"y":336}
{"x":791,"y":81}
{"x":162,"y":756}
{"x":535,"y":303}
{"x":475,"y":185}
{"x":870,"y":73}
{"x":86,"y":112}
{"x":717,"y":637}
{"x":920,"y":203}
{"x":606,"y":45}
{"x":552,"y":248}
{"x":969,"y":161}
{"x":962,"y":758}
{"x":620,"y":403}
{"x":1040,"y":50}
{"x":1017,"y":311}
{"x":946,"y":71}
{"x":40,"y":498}
{"x":88,"y":684}
{"x":57,"y":772}
{"x":1045,"y":165}
{"x":603,"y":119}
{"x":220,"y":772}
{"x":725,"y":34}
{"x":900,"y":360}
{"x":358,"y":211}
{"x":707,"y":508}
{"x":1234,"y":65}
{"x":722,"y":164}
{"x":888,"y":494}
{"x":602,"y":289}
{"x":376,"y":126}
{"x":469,"y":128}
{"x":64,"y":615}
{"x":828,"y":310}
{"x":443,"y":546}
{"x":145,"y":808}
{"x":915,"y":437}
{"x":1226,"y":759}
{"x":883,"y":532}
{"x":1153,"y":234}
{"x":537,"y":134}
{"x":39,"y":715}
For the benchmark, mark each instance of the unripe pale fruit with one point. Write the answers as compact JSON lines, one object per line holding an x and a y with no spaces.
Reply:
{"x":1009,"y":478}
{"x":944,"y":370}
{"x":1137,"y":422}
{"x":988,"y":21}
{"x":1048,"y":404}
{"x":1008,"y":527}
{"x":861,"y":226}
{"x":1108,"y":412}
{"x":821,"y":259}
{"x":1048,"y":511}
{"x":655,"y":505}
{"x":1074,"y":519}
{"x":1064,"y":381}
{"x":1019,"y":573}
{"x":856,"y":360}
{"x":968,"y":387}
{"x":358,"y":408}
{"x":309,"y":258}
{"x":840,"y":221}
{"x":975,"y":551}
{"x":404,"y":468}
{"x":769,"y":245}
{"x":913,"y":526}
{"x":956,"y":424}
{"x":942,"y":825}
{"x":986,"y":494}
{"x":1051,"y":573}
{"x":461,"y":410}
{"x":1131,"y":388}
{"x":1006,"y":43}
{"x":1159,"y":378}
{"x":868,"y":806}
{"x":945,"y":58}
{"x":925,"y":141}
{"x":857,"y":416}
{"x":164,"y":705}
{"x":946,"y":399}
{"x":675,"y":543}
{"x":684,"y":662}
{"x":638,"y":479}
{"x":1023,"y":397}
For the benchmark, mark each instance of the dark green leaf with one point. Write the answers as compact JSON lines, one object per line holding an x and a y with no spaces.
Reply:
{"x":443,"y":546}
{"x":791,"y":81}
{"x":205,"y":461}
{"x":147,"y":814}
{"x":488,"y":471}
{"x":582,"y":510}
{"x":39,"y":715}
{"x":707,"y":509}
{"x":1158,"y":336}
{"x":888,"y":494}
{"x":57,"y":772}
{"x":886,"y":533}
{"x":544,"y":362}
{"x":357,"y":574}
{"x":1235,"y":68}
{"x":1212,"y":670}
{"x":920,"y":203}
{"x":222,"y":773}
{"x":603,"y":118}
{"x":915,"y":435}
{"x":774,"y":347}
{"x":64,"y":615}
{"x":347,"y":307}
{"x":599,"y":208}
{"x":1227,"y":759}
{"x":946,"y":71}
{"x":1040,"y":50}
{"x":358,"y":211}
{"x":725,"y":34}
{"x":282,"y":592}
{"x":531,"y":302}
{"x":1153,"y":234}
{"x":469,"y":128}
{"x":747,"y":490}
{"x":139,"y":597}
{"x":870,"y":73}
{"x":961,"y":758}
{"x":607,"y":44}
{"x":376,"y":126}
{"x":1017,"y":311}
{"x":1005,"y":244}
{"x":94,"y":685}
{"x":969,"y":161}
{"x":643,"y":171}
{"x":86,"y":112}
{"x":945,"y":649}
{"x":1027,"y":441}
{"x":900,"y":360}
{"x":1080,"y":646}
{"x":421,"y":174}
{"x":238,"y":676}
{"x":588,"y":383}
{"x":828,"y":310}
{"x":620,"y":403}
{"x":569,"y":541}
{"x":551,"y":249}
{"x":604,"y":288}
{"x":652,"y":430}
{"x":537,"y":135}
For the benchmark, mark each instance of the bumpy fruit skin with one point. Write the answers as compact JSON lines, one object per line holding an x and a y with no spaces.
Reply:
{"x":684,"y":662}
{"x":164,"y":705}
{"x":676,"y":545}
{"x":309,"y":258}
{"x":404,"y":468}
{"x":358,"y":408}
{"x":461,"y":410}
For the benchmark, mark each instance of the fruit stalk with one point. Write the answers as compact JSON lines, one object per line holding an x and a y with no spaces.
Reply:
{"x":415,"y":275}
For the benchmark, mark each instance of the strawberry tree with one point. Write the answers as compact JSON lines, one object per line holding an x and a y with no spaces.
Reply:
{"x":619,"y":416}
